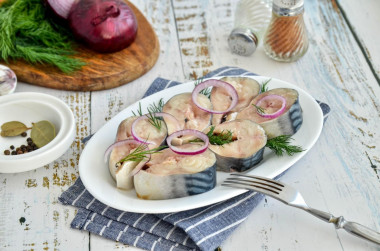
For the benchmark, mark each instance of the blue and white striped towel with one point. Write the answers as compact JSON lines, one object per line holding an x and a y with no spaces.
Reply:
{"x":197,"y":229}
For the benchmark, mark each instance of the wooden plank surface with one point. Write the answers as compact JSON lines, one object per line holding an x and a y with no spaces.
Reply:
{"x":338,"y":175}
{"x":101,"y":70}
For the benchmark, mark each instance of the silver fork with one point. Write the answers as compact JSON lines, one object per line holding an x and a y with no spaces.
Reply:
{"x":292,"y":197}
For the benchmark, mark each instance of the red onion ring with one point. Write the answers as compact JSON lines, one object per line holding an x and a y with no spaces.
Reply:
{"x":118,"y":143}
{"x":276,"y":113}
{"x":195,"y":133}
{"x":217,"y":83}
{"x":158,"y":114}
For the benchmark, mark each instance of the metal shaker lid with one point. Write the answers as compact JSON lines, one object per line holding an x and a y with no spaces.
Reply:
{"x":242,"y":41}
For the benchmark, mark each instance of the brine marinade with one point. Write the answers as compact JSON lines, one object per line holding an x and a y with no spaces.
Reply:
{"x":170,"y":175}
{"x":246,"y":149}
{"x":247,"y":89}
{"x":187,"y":113}
{"x":286,"y":124}
{"x":143,"y":129}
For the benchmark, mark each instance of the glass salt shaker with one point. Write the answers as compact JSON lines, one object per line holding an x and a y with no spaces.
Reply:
{"x":251,"y":19}
{"x":286,"y":37}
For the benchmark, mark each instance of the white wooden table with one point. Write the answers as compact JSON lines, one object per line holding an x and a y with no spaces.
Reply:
{"x":340,"y":174}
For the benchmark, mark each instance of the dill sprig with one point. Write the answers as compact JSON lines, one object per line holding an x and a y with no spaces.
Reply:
{"x":259,"y":109}
{"x":152,"y":109}
{"x":153,"y":120}
{"x":157,"y":108}
{"x":217,"y":139}
{"x":27,"y":32}
{"x":264,"y":84}
{"x":139,"y":111}
{"x":141,"y":153}
{"x":281,"y":144}
{"x":206,"y":91}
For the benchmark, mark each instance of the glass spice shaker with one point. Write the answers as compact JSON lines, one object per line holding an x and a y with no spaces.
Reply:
{"x":286,"y":37}
{"x":251,"y":19}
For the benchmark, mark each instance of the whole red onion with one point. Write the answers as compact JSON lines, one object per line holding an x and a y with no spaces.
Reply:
{"x":103,"y":25}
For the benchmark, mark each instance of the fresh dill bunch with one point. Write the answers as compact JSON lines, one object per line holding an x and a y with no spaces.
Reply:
{"x":206,"y":91}
{"x":157,"y":108}
{"x":27,"y":32}
{"x":281,"y":144}
{"x":259,"y":109}
{"x":141,"y":152}
{"x":264,"y":86}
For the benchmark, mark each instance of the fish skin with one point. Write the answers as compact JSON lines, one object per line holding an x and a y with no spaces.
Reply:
{"x":155,"y":187}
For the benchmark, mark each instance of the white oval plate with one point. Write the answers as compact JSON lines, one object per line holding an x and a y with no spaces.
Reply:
{"x":98,"y":181}
{"x":28,"y":107}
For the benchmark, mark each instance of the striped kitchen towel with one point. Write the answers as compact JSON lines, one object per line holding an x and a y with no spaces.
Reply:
{"x":197,"y":229}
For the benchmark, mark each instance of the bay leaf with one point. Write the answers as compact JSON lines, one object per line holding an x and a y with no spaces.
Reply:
{"x":42,"y":133}
{"x":13,"y":128}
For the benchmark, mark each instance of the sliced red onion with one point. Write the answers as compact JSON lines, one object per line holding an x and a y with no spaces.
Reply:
{"x":217,"y":83}
{"x":276,"y":113}
{"x":158,"y":114}
{"x":140,"y":166}
{"x":119,"y":143}
{"x":191,"y":132}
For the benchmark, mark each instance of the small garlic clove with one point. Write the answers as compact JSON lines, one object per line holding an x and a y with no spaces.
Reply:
{"x":8,"y":80}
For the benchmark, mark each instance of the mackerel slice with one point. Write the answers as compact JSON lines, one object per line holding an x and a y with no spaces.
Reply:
{"x":286,"y":124}
{"x":170,"y":175}
{"x":187,"y":113}
{"x":143,"y":129}
{"x":120,"y":172}
{"x":247,"y":89}
{"x":245,"y":151}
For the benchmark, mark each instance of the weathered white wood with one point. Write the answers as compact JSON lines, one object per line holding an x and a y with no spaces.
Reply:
{"x":365,"y":24}
{"x":31,"y":218}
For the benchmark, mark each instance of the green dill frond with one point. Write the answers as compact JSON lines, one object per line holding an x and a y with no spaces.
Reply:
{"x":264,"y":87}
{"x":139,"y":111}
{"x":27,"y":32}
{"x":206,"y":91}
{"x":141,"y":153}
{"x":281,"y":144}
{"x":154,"y":108}
{"x":259,"y":109}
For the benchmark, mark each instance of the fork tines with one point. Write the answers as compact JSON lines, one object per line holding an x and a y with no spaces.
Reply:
{"x":256,"y":183}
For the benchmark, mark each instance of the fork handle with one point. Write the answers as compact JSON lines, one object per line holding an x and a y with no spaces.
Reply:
{"x":351,"y":227}
{"x":358,"y":230}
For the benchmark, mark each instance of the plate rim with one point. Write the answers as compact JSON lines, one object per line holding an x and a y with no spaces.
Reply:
{"x":153,"y":206}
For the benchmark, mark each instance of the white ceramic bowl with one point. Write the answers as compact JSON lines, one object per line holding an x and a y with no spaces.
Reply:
{"x":28,"y":107}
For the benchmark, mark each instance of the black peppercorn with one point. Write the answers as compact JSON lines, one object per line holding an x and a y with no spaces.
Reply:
{"x":7,"y":152}
{"x":12,"y":147}
{"x":24,"y":134}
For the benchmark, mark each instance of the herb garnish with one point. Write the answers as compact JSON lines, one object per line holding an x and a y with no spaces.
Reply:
{"x":259,"y":109}
{"x":264,"y":87}
{"x":206,"y":91}
{"x":140,"y":153}
{"x":139,"y":111}
{"x":217,"y":139}
{"x":281,"y":144}
{"x":27,"y":32}
{"x":152,"y":109}
{"x":157,"y":108}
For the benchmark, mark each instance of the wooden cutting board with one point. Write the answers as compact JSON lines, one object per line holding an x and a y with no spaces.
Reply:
{"x":102,"y":71}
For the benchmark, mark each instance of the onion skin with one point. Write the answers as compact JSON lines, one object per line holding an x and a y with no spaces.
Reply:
{"x":103,"y":25}
{"x":61,"y":8}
